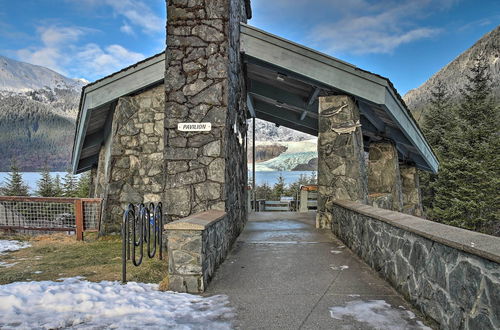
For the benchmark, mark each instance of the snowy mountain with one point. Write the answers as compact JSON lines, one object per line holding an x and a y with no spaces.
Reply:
{"x":292,"y":156}
{"x":281,"y":149}
{"x":454,"y":74}
{"x":20,"y":77}
{"x":38,"y":108}
{"x":266,"y":131}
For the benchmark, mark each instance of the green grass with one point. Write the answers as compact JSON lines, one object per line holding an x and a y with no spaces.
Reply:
{"x":58,"y":255}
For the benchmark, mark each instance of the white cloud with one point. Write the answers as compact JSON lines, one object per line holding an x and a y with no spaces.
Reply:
{"x":61,"y":52}
{"x":378,"y":27}
{"x":136,"y":12}
{"x":50,"y":55}
{"x":105,"y":61}
{"x":127,"y":29}
{"x":55,"y":35}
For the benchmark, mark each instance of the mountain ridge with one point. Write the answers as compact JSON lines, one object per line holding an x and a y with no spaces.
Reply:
{"x":38,"y":109}
{"x":21,"y":77}
{"x":454,"y":74}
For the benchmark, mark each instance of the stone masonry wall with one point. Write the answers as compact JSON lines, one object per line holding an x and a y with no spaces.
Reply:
{"x":196,"y":247}
{"x":454,"y":288}
{"x":131,"y":168}
{"x":203,"y":83}
{"x":341,"y":162}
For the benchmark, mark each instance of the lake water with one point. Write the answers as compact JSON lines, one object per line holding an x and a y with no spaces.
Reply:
{"x":269,"y":177}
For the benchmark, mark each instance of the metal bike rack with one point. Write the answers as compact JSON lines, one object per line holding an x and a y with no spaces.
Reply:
{"x":141,"y":225}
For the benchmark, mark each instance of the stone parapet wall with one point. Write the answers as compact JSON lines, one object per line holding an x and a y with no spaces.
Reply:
{"x":196,"y":246}
{"x":451,"y":275}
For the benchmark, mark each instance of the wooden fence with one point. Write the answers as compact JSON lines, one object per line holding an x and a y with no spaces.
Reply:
{"x":47,"y":214}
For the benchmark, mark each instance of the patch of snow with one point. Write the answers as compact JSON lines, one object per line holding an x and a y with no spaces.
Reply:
{"x":7,"y":265}
{"x":343,"y":267}
{"x":377,"y":314}
{"x":335,"y":251}
{"x":86,"y":305}
{"x":37,"y":272}
{"x":10,"y":245}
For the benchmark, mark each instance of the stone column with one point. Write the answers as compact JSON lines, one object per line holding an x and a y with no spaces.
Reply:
{"x":303,"y":200}
{"x":341,"y":163}
{"x":204,"y":83}
{"x":412,"y":198}
{"x":384,"y":179}
{"x":131,"y":160}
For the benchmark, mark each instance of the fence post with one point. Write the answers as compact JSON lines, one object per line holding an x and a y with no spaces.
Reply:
{"x":79,"y":219}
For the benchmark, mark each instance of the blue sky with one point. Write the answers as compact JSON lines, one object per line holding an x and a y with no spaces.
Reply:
{"x":406,"y":40}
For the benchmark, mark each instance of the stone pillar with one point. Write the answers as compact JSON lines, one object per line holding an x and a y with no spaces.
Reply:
{"x":303,"y":200}
{"x":412,"y":198}
{"x":131,"y":163}
{"x":204,"y":83}
{"x":384,"y":179}
{"x":341,"y":163}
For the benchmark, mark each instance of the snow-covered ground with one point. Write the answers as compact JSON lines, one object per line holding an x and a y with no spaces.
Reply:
{"x":9,"y":245}
{"x":74,"y":303}
{"x":379,"y":315}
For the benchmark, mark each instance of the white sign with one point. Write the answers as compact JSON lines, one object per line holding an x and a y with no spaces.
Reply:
{"x":194,"y":127}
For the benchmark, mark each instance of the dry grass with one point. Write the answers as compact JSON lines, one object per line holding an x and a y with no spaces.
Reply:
{"x":58,"y":255}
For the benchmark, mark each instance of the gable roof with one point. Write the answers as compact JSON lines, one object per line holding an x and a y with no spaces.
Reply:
{"x":97,"y":104}
{"x":284,"y":80}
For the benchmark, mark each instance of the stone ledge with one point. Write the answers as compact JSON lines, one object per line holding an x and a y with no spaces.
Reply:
{"x":479,"y":244}
{"x":199,"y":221}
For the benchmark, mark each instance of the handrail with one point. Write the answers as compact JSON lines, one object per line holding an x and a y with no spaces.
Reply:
{"x":146,"y":220}
{"x":49,"y":199}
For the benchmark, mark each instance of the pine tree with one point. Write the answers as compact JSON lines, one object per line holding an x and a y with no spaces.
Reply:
{"x":314,"y":178}
{"x":14,"y":184}
{"x":83,"y":185}
{"x":57,"y":186}
{"x":69,"y":187}
{"x":45,"y":186}
{"x":263,"y":191}
{"x":279,"y":187}
{"x":439,"y":119}
{"x":466,"y":188}
{"x":438,"y":124}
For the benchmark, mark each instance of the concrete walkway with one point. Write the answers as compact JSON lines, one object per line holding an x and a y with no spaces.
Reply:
{"x":284,"y":274}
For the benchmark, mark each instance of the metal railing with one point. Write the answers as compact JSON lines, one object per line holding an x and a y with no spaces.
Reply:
{"x":137,"y":227}
{"x":46,"y":214}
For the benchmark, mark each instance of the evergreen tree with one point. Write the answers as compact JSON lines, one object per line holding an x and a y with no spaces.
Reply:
{"x":466,"y":188}
{"x":14,"y":184}
{"x":313,"y":179}
{"x":439,"y":119}
{"x":438,"y":124}
{"x":57,"y":186}
{"x":69,"y":186}
{"x":279,"y":187}
{"x":45,"y":187}
{"x":263,"y":191}
{"x":83,"y":185}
